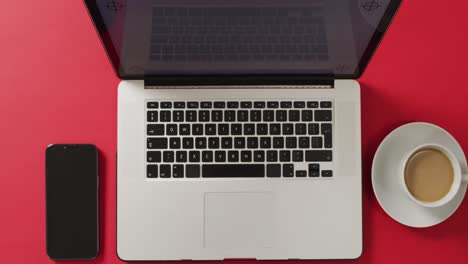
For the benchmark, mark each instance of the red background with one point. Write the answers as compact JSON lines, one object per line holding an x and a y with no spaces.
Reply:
{"x":56,"y":85}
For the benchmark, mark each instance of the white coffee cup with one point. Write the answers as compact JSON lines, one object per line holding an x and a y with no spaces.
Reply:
{"x":458,"y":179}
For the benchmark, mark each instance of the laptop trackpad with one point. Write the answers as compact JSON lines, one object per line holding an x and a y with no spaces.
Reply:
{"x":239,"y":220}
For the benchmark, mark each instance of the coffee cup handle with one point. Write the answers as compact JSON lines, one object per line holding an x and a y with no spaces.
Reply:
{"x":465,"y":178}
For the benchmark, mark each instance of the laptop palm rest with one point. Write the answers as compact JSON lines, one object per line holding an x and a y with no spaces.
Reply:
{"x":234,"y":221}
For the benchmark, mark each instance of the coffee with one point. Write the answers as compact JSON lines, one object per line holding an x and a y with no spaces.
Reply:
{"x":429,"y":175}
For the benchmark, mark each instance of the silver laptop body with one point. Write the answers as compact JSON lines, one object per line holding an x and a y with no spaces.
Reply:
{"x":254,"y":218}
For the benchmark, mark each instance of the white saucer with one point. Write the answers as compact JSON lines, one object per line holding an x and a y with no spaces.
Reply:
{"x":385,"y":174}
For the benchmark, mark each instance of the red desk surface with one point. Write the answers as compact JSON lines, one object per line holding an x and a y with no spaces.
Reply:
{"x":56,"y":85}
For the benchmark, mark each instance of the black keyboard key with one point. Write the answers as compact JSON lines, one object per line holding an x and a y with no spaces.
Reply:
{"x":230,"y":116}
{"x":288,"y":170}
{"x":325,"y":104}
{"x":327,"y":173}
{"x":197,"y":129}
{"x":226,"y":142}
{"x":165,"y":116}
{"x":249,"y":129}
{"x":246,"y":156}
{"x":184,"y":129}
{"x":317,"y":142}
{"x":207,"y":156}
{"x":318,"y":155}
{"x":192,"y":171}
{"x":242,"y":115}
{"x":152,"y":171}
{"x":156,"y":143}
{"x":233,"y":171}
{"x":219,"y":104}
{"x":233,"y":104}
{"x":304,"y":142}
{"x":299,"y":104}
{"x":174,"y":143}
{"x":323,"y":115}
{"x":314,"y":167}
{"x":294,"y":115}
{"x":155,"y":130}
{"x":272,"y":104}
{"x":301,"y":173}
{"x":307,"y":115}
{"x":314,"y":173}
{"x":285,"y":155}
{"x":314,"y":170}
{"x":301,"y":129}
{"x":181,"y":156}
{"x":179,"y":105}
{"x":298,"y":155}
{"x":259,"y":104}
{"x":262,"y":129}
{"x":200,"y":143}
{"x":223,"y":129}
{"x":288,"y":129}
{"x":278,"y":142}
{"x":259,"y":156}
{"x":204,"y":116}
{"x":327,"y":135}
{"x":272,"y":156}
{"x":312,"y":104}
{"x":291,"y":142}
{"x":217,"y":116}
{"x":192,"y":105}
{"x":210,"y":129}
{"x":255,"y":115}
{"x":273,"y":170}
{"x":275,"y":129}
{"x":236,"y":129}
{"x":165,"y":171}
{"x":152,"y":105}
{"x":239,"y":142}
{"x":268,"y":115}
{"x":265,"y":142}
{"x":152,"y":116}
{"x":206,"y":104}
{"x":281,"y":115}
{"x":326,"y":128}
{"x":177,"y":171}
{"x":166,"y":105}
{"x":191,"y":116}
{"x":252,"y":142}
{"x":246,"y":104}
{"x":313,"y":129}
{"x":213,"y":143}
{"x":153,"y":156}
{"x":220,"y":156}
{"x":233,"y":156}
{"x":286,"y":104}
{"x":171,"y":129}
{"x":194,"y":156}
{"x":187,"y":143}
{"x":168,"y":156}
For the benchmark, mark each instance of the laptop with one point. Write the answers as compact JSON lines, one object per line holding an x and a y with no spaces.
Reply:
{"x":239,"y":133}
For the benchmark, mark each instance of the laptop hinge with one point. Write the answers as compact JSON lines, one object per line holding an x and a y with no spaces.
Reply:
{"x":238,"y":82}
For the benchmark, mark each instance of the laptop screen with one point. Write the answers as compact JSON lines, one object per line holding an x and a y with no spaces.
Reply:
{"x":323,"y":38}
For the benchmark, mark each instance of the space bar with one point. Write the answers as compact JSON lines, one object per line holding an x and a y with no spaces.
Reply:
{"x":233,"y":171}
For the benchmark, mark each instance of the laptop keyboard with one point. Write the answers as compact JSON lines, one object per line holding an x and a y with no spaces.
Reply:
{"x":239,"y":139}
{"x":235,"y":34}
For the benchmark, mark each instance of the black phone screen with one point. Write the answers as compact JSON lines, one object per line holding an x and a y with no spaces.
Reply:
{"x":72,"y":201}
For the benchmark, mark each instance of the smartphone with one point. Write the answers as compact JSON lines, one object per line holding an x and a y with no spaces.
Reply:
{"x":72,"y":221}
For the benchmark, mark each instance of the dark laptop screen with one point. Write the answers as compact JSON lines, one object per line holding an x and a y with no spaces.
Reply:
{"x":333,"y":38}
